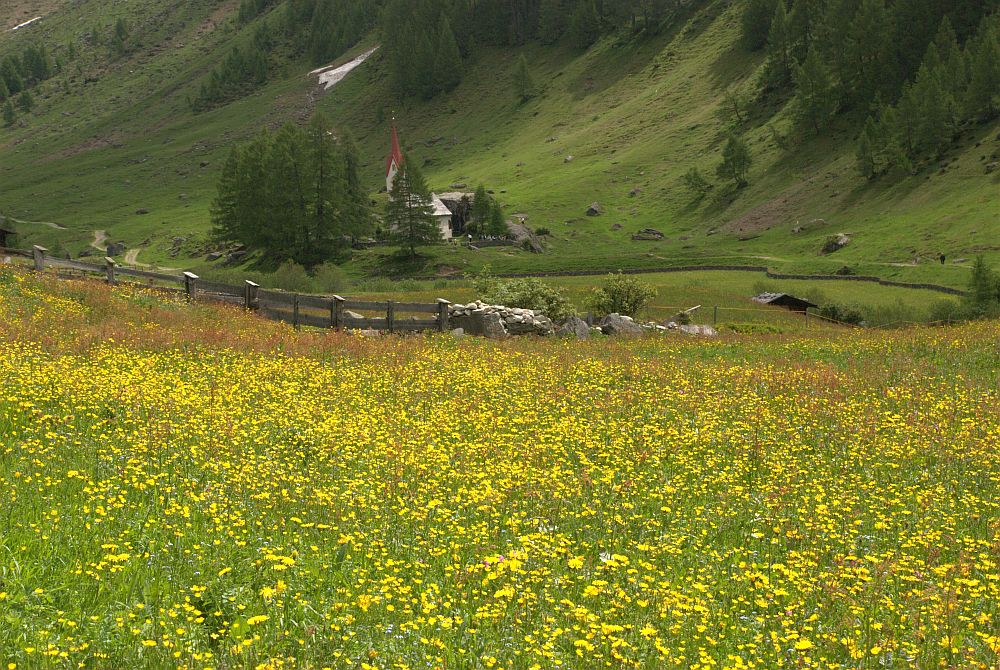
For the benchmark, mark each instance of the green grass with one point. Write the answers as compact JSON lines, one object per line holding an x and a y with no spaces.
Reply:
{"x":634,"y":114}
{"x":191,"y":486}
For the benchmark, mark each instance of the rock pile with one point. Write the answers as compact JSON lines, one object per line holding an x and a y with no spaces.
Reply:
{"x":497,"y":321}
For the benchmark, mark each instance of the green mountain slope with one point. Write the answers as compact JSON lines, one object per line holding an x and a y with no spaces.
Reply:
{"x":634,"y":114}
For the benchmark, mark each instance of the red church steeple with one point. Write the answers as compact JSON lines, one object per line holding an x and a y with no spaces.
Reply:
{"x":394,"y":160}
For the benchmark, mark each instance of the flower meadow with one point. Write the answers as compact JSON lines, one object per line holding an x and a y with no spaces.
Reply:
{"x":189,"y":487}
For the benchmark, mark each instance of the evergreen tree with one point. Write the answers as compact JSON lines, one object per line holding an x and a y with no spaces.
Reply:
{"x":736,"y":161}
{"x":11,"y":73}
{"x":915,"y":22}
{"x":289,"y":193}
{"x":984,"y":290}
{"x":816,"y":98}
{"x":584,"y":26}
{"x":118,"y":37}
{"x":357,"y":217}
{"x":498,"y":222}
{"x":448,"y":60}
{"x":956,"y":75}
{"x":869,"y":44}
{"x":779,"y":47}
{"x":481,"y":206}
{"x":551,"y":21}
{"x":523,"y":81}
{"x":755,"y":23}
{"x":225,"y":208}
{"x":25,"y":102}
{"x":325,"y":221}
{"x":409,"y":216}
{"x":936,"y":108}
{"x":868,"y":149}
{"x":982,"y":100}
{"x":4,"y":93}
{"x":9,"y":115}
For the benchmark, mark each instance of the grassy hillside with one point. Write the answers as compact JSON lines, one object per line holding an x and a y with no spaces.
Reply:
{"x":635,"y":115}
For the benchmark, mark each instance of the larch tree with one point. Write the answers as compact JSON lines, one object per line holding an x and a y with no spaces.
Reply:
{"x":409,"y":216}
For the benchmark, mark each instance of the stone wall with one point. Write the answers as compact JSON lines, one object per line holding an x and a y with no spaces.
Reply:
{"x":497,"y":321}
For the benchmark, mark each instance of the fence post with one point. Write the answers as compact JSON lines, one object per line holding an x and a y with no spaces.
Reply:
{"x":190,"y":279}
{"x":295,"y":311}
{"x":110,"y":265}
{"x":443,"y":314}
{"x":807,"y":317}
{"x":715,"y":316}
{"x":38,"y":253}
{"x":250,"y":294}
{"x":337,"y":312}
{"x":390,"y":316}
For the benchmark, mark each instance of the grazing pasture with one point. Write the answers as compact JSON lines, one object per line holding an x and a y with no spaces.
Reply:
{"x":189,"y":486}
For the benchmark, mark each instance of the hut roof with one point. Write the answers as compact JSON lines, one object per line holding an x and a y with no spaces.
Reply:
{"x":783,"y":300}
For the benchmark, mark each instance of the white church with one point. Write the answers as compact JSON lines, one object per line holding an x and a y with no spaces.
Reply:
{"x":392,"y":164}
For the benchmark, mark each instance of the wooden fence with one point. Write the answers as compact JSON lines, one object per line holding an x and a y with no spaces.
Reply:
{"x":294,"y":308}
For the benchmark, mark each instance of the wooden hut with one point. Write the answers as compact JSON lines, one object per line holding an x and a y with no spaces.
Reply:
{"x":789,"y":302}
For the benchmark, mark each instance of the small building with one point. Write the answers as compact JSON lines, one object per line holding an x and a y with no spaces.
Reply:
{"x":6,"y":236}
{"x":785,"y":300}
{"x":393,"y":162}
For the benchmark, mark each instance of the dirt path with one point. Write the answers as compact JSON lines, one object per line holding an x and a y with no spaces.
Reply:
{"x":330,"y":76}
{"x":132,"y":258}
{"x":100,"y":240}
{"x":56,"y":226}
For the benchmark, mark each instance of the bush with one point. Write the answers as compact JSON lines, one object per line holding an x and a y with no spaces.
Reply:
{"x":948,"y":311}
{"x":329,"y":278}
{"x":542,"y":232}
{"x":290,"y":276}
{"x":528,"y":293}
{"x":841,"y":314}
{"x":621,"y":294}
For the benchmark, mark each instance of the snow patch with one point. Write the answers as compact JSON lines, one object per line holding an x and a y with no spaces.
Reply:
{"x":21,"y":25}
{"x":329,"y":75}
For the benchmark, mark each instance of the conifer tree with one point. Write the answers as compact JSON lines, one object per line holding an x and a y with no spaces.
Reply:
{"x":409,"y":216}
{"x":736,"y":161}
{"x":779,"y":46}
{"x":551,"y":21}
{"x":982,"y":100}
{"x":4,"y":93}
{"x":325,"y":215}
{"x":9,"y":114}
{"x":11,"y":73}
{"x":357,"y":216}
{"x":498,"y":222}
{"x":869,"y":44}
{"x":25,"y":101}
{"x":523,"y":81}
{"x":225,"y":208}
{"x":816,"y":98}
{"x":481,"y":207}
{"x":956,"y":75}
{"x":584,"y":26}
{"x":447,"y":60}
{"x":867,"y":150}
{"x":755,"y":23}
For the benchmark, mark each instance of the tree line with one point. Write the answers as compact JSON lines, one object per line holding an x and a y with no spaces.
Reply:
{"x":426,"y":42}
{"x":295,"y":195}
{"x":18,"y":75}
{"x":911,"y":71}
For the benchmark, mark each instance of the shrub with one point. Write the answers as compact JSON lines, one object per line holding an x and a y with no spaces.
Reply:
{"x":329,"y":278}
{"x":621,"y":294}
{"x":542,"y":231}
{"x":751,"y":328}
{"x":290,"y":276}
{"x":841,"y":314}
{"x":527,"y":293}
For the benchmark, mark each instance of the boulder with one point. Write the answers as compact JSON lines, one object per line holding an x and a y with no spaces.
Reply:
{"x":616,"y":324}
{"x":115,"y":248}
{"x":458,"y":333}
{"x":594,"y":209}
{"x":142,"y":210}
{"x":648,"y":235}
{"x":574,"y":327}
{"x":704,"y":331}
{"x":568,"y":159}
{"x":835,"y":243}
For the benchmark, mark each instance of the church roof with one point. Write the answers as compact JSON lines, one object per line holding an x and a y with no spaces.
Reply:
{"x":395,"y":155}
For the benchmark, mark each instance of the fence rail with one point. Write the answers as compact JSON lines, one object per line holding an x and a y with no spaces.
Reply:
{"x":298,"y":309}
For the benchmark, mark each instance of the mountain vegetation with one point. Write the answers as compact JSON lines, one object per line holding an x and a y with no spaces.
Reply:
{"x":294,"y":195}
{"x":746,"y":132}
